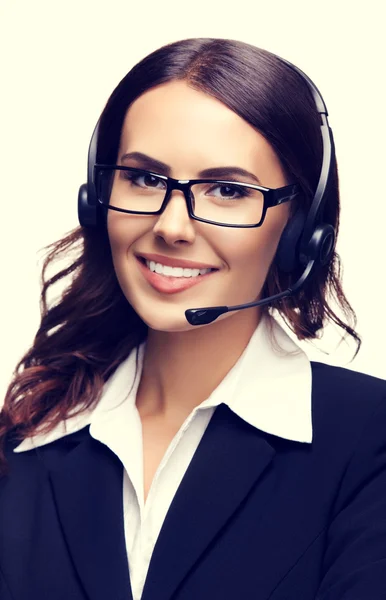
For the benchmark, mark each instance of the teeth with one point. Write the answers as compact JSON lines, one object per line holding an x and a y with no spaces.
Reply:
{"x":175,"y":271}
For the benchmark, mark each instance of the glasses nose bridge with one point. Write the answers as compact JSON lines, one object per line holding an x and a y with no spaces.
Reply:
{"x":182,"y":185}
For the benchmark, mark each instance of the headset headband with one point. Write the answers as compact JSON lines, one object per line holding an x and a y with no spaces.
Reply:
{"x":316,"y":209}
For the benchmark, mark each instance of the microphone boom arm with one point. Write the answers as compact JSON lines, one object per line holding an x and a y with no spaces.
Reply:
{"x":203,"y":316}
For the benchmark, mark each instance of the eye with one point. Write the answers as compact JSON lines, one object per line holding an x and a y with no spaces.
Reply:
{"x":144,"y":180}
{"x":227,"y":191}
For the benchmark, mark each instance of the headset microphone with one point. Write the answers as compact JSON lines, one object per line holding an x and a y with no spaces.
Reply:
{"x":323,"y":243}
{"x":202,"y":316}
{"x":305,"y":240}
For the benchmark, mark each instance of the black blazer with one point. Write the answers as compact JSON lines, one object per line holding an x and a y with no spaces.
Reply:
{"x":255,"y":517}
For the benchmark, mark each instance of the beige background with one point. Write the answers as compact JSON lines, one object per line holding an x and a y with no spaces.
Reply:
{"x":60,"y":62}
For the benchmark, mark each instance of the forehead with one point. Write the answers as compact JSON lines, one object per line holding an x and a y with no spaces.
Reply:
{"x":191,"y":130}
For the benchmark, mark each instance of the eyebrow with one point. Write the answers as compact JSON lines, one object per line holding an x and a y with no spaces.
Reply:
{"x":152,"y":164}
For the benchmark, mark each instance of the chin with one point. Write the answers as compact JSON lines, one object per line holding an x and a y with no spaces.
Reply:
{"x":168,"y":314}
{"x":172,"y":318}
{"x":171,"y":325}
{"x":162,"y":318}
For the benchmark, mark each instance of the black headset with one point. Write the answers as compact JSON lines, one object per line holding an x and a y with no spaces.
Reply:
{"x":305,"y":242}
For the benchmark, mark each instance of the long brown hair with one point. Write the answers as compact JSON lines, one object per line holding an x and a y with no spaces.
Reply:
{"x":84,"y":336}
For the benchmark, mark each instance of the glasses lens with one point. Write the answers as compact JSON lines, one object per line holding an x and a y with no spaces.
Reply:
{"x":131,"y":190}
{"x":234,"y":204}
{"x":217,"y":201}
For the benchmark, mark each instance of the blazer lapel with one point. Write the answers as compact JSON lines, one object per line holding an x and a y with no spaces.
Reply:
{"x":88,"y":494}
{"x":229,"y":461}
{"x":87,"y":486}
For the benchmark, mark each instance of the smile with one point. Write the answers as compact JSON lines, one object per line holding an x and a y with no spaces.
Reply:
{"x":157,"y":267}
{"x":170,"y":280}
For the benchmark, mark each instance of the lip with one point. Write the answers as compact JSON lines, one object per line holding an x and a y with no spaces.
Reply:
{"x":176,"y":262}
{"x":170,"y":285}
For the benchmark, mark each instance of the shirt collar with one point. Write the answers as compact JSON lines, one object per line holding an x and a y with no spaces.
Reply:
{"x":269,"y":387}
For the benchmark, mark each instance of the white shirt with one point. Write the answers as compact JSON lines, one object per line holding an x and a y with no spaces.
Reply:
{"x":267,"y":387}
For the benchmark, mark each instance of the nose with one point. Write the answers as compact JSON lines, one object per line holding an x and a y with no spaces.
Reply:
{"x":174,"y":224}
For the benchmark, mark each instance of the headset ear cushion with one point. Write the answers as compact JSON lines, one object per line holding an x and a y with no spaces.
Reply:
{"x":287,"y":251}
{"x":87,"y":214}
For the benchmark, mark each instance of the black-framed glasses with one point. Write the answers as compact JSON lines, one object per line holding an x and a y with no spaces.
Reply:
{"x":216,"y":201}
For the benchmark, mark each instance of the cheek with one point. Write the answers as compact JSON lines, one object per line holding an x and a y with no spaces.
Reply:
{"x":123,"y":231}
{"x":252,"y":250}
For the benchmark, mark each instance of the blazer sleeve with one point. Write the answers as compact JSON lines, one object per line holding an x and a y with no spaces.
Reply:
{"x":355,"y":558}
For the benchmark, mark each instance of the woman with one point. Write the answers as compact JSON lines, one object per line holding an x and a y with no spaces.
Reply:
{"x":151,"y":452}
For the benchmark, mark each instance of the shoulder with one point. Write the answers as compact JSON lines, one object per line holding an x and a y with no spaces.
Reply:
{"x":342,"y":379}
{"x":29,"y":465}
{"x":345,"y":402}
{"x":339,"y":383}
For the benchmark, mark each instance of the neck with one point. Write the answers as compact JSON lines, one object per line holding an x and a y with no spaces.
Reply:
{"x":181,"y":369}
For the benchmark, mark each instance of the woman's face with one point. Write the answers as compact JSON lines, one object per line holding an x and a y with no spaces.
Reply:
{"x":190,"y":131}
